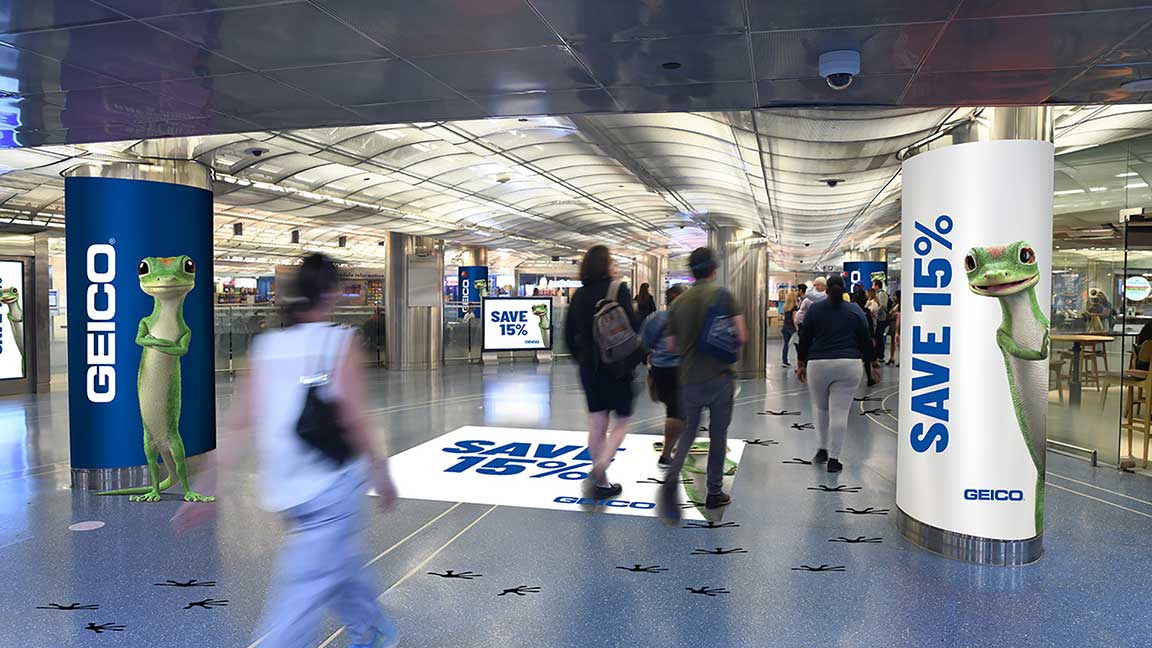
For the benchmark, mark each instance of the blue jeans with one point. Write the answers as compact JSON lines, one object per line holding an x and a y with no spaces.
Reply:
{"x":715,"y":394}
{"x":321,"y":565}
{"x":787,"y":338}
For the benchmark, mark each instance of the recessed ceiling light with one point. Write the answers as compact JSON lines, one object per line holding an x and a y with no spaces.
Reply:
{"x":1138,"y":85}
{"x":671,"y":65}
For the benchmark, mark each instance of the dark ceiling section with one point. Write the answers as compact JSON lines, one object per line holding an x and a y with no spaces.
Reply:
{"x":93,"y":70}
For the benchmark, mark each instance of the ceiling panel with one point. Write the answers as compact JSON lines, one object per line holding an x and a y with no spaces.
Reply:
{"x":802,"y":14}
{"x":150,"y":8}
{"x":620,"y":20}
{"x":28,"y":15}
{"x":368,"y":82}
{"x":883,"y":50}
{"x":503,"y":72}
{"x":668,"y":61}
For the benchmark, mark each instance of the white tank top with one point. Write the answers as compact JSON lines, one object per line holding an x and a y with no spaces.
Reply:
{"x":291,"y":472}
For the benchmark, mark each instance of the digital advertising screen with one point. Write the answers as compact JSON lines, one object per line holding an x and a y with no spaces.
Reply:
{"x":517,"y":324}
{"x":11,"y":320}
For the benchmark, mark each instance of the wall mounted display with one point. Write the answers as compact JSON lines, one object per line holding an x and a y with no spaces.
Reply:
{"x":517,"y":324}
{"x":862,"y":273}
{"x":11,"y":320}
{"x":977,"y":231}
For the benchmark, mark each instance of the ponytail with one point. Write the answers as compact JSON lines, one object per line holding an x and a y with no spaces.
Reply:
{"x":836,"y":290}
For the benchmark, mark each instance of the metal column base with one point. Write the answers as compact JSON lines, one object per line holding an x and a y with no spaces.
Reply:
{"x":973,"y":549}
{"x":101,"y":479}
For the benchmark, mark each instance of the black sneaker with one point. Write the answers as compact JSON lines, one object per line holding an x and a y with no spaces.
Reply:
{"x":834,"y":466}
{"x":821,"y":456}
{"x":717,"y":501}
{"x":607,"y":492}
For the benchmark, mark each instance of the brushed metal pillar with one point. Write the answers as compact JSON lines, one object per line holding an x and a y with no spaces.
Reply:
{"x":658,"y":277}
{"x":414,"y":313}
{"x":874,"y":254}
{"x":474,"y":255}
{"x":743,"y":269}
{"x":1007,"y":123}
{"x":41,"y":373}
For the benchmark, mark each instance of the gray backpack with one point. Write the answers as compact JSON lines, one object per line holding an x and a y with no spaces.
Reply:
{"x":616,"y":341}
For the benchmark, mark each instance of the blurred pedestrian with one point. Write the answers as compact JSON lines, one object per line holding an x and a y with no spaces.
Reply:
{"x":817,"y":294}
{"x":833,"y":342}
{"x":881,"y":325}
{"x":706,"y":327}
{"x":601,"y":332}
{"x":894,"y":329}
{"x":305,"y":399}
{"x":663,"y":375}
{"x":645,"y":302}
{"x":789,"y":327}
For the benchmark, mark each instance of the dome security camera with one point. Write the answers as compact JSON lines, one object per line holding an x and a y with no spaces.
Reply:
{"x":839,"y":67}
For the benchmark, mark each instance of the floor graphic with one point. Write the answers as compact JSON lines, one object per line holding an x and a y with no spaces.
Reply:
{"x":802,"y":426}
{"x":521,"y":590}
{"x":798,"y":461}
{"x":820,"y":568}
{"x":762,"y":442}
{"x":875,"y":412}
{"x":867,"y":399}
{"x":207,"y":604}
{"x":707,"y":591}
{"x":464,"y":575}
{"x":188,"y":583}
{"x":718,"y":551}
{"x":864,"y":511}
{"x":709,"y":524}
{"x":835,"y":489}
{"x":69,"y":607}
{"x":537,"y":468}
{"x":105,"y":627}
{"x":651,"y":569}
{"x":857,"y":540}
{"x":778,"y":413}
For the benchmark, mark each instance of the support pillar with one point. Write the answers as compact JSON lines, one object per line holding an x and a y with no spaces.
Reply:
{"x":414,"y":317}
{"x":132,"y":228}
{"x":743,"y":270}
{"x":977,"y":237}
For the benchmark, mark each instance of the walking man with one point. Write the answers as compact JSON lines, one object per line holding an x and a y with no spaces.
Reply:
{"x":881,"y":317}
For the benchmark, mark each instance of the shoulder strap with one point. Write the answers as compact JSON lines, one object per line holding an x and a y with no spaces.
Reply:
{"x":613,"y":293}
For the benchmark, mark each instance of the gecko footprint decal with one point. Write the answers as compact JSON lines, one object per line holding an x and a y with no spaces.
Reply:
{"x":857,"y":540}
{"x":763,"y":442}
{"x":718,"y":551}
{"x":464,"y":575}
{"x":820,"y":568}
{"x":105,"y":627}
{"x":877,"y":411}
{"x":190,"y":583}
{"x":520,"y":590}
{"x":836,"y":489}
{"x":710,"y":524}
{"x":653,"y":480}
{"x":864,"y":511}
{"x":778,"y":413}
{"x":70,"y":606}
{"x":638,"y":569}
{"x":691,"y":504}
{"x":207,"y":604}
{"x":867,"y":399}
{"x":798,"y":461}
{"x":802,"y":426}
{"x":708,"y":591}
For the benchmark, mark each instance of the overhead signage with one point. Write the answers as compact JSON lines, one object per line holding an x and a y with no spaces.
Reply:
{"x":11,"y":320}
{"x":532,"y":468}
{"x":517,"y":323}
{"x":974,"y":399}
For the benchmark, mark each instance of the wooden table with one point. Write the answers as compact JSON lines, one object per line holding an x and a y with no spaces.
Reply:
{"x":1078,"y":340}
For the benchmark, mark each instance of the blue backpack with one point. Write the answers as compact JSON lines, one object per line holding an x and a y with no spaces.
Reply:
{"x":718,"y":337}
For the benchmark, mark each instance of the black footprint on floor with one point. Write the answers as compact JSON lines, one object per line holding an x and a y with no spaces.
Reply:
{"x":858,"y":540}
{"x":802,"y":426}
{"x":207,"y":604}
{"x":797,"y":461}
{"x":70,"y":606}
{"x":877,"y":411}
{"x":653,"y":480}
{"x":836,"y":489}
{"x":691,"y":504}
{"x":703,"y":428}
{"x":867,"y":399}
{"x":707,"y":591}
{"x":865,"y":511}
{"x":651,"y":569}
{"x":778,"y":413}
{"x":710,"y":524}
{"x":105,"y":627}
{"x":448,"y":573}
{"x":821,"y":568}
{"x":763,"y":442}
{"x":718,"y":551}
{"x":190,"y":583}
{"x":520,"y":590}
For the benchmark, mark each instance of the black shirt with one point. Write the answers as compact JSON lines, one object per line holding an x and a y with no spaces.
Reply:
{"x":834,"y":331}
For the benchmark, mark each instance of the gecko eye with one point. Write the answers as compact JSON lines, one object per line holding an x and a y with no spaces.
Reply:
{"x":189,"y":267}
{"x":142,"y":269}
{"x":969,"y":263}
{"x":1027,"y":255}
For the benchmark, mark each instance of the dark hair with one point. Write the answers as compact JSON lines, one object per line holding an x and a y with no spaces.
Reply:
{"x":801,"y":287}
{"x":316,"y":276}
{"x":702,"y":263}
{"x":597,"y":264}
{"x":877,"y":282}
{"x":643,"y":292}
{"x":674,"y":291}
{"x":835,"y":290}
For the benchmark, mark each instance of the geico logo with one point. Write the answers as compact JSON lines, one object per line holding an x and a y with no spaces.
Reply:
{"x":994,"y":495}
{"x":588,"y":501}
{"x":101,"y":330}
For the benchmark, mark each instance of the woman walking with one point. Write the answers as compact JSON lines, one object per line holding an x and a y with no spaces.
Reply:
{"x":645,"y":303}
{"x":305,"y":400}
{"x":894,"y":329}
{"x":789,"y":327}
{"x":607,"y":387}
{"x":664,"y":374}
{"x":833,"y":342}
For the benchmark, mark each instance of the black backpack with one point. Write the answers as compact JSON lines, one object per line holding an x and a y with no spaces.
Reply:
{"x":320,"y":425}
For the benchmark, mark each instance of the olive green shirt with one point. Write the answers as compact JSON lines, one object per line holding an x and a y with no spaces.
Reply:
{"x":685,"y":321}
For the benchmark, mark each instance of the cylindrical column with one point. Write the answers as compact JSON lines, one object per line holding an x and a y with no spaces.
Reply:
{"x":657,"y":276}
{"x":977,"y":228}
{"x":474,"y":255}
{"x":140,"y":343}
{"x":414,"y":317}
{"x":743,"y":270}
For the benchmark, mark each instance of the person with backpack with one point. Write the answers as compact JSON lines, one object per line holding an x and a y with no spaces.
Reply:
{"x":601,"y":332}
{"x":706,"y":327}
{"x":664,"y":374}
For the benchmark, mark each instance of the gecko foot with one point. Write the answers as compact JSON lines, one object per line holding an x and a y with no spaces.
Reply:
{"x":150,"y":496}
{"x":197,"y":497}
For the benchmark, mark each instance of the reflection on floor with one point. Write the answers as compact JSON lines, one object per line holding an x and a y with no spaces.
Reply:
{"x":799,"y":558}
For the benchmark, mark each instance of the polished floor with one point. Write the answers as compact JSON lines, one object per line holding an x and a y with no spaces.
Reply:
{"x":781,"y":567}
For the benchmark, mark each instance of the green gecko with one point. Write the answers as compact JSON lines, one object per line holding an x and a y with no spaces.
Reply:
{"x":1010,"y":273}
{"x":164,"y":337}
{"x":541,"y":311}
{"x":10,"y":297}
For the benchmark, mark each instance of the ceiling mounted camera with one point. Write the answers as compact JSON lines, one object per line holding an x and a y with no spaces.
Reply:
{"x":839,"y":67}
{"x":256,"y":151}
{"x":832,"y":182}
